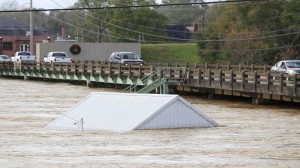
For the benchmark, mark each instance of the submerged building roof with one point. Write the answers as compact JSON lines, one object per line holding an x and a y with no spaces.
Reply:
{"x":121,"y":112}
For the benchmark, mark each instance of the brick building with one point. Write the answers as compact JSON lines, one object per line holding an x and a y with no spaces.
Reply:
{"x":15,"y":36}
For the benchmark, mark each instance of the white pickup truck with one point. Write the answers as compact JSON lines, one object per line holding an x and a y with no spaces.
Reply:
{"x":58,"y":57}
{"x":22,"y":56}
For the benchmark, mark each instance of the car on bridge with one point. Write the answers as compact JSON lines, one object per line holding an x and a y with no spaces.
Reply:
{"x":5,"y":59}
{"x":23,"y":56}
{"x":125,"y":58}
{"x":57,"y":57}
{"x":290,"y":67}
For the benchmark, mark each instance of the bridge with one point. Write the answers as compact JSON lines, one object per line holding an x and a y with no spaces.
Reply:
{"x":253,"y":81}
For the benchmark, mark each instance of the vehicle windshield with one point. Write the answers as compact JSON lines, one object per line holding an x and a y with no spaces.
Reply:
{"x":293,"y":64}
{"x":59,"y":55}
{"x":129,"y":56}
{"x":4,"y":57}
{"x":24,"y":53}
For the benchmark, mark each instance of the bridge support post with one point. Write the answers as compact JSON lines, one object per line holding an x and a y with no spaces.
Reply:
{"x":258,"y":101}
{"x":89,"y":83}
{"x":165,"y":88}
{"x":211,"y":96}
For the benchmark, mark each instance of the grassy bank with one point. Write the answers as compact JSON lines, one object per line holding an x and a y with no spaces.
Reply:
{"x":179,"y":52}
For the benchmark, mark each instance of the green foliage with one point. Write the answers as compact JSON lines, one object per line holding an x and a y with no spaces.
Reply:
{"x":291,"y":15}
{"x":291,"y":19}
{"x":121,"y":25}
{"x":137,"y":23}
{"x":177,"y":52}
{"x":95,"y":22}
{"x":250,"y":32}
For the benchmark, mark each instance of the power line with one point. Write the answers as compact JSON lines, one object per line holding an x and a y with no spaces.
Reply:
{"x":117,"y":35}
{"x":170,"y":38}
{"x":120,"y":27}
{"x":153,"y":28}
{"x":180,"y":39}
{"x":87,"y":30}
{"x":131,"y":6}
{"x":144,"y":26}
{"x":252,"y":38}
{"x":251,"y":50}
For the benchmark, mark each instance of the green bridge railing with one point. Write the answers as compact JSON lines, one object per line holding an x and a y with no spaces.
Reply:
{"x":253,"y":81}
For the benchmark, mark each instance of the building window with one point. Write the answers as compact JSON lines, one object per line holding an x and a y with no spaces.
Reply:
{"x":7,"y":46}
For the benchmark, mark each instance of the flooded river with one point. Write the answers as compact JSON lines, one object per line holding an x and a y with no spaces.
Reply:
{"x":255,"y":136}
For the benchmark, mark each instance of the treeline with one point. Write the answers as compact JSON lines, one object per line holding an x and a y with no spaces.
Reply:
{"x":127,"y":24}
{"x":246,"y":32}
{"x":258,"y":32}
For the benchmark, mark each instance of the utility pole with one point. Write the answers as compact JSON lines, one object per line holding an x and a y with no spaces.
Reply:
{"x":203,"y":21}
{"x":31,"y":29}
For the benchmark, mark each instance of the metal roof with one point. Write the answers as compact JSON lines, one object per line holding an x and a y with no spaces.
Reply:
{"x":120,"y":112}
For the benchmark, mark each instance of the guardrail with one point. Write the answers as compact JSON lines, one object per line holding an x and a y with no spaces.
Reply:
{"x":246,"y":81}
{"x":252,"y":80}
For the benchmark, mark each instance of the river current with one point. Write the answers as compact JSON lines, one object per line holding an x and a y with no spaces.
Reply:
{"x":249,"y":135}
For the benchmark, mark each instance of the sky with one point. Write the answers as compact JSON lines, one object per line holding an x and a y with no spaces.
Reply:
{"x":47,"y":4}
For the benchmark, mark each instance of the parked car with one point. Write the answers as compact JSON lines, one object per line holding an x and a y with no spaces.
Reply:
{"x":5,"y":58}
{"x":57,"y":56}
{"x":125,"y":58}
{"x":22,"y":56}
{"x":287,"y":66}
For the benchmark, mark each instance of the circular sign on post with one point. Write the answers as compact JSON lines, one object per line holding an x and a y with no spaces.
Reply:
{"x":75,"y":49}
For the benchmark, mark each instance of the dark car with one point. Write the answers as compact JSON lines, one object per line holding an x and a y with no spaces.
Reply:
{"x":125,"y":58}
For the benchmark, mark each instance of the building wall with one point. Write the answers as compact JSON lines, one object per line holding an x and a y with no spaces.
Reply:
{"x":89,"y":51}
{"x":17,"y":41}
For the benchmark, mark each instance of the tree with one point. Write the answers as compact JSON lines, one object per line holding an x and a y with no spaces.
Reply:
{"x":291,"y":19}
{"x":134,"y":24}
{"x":257,"y":32}
{"x":96,"y":21}
{"x":121,"y":25}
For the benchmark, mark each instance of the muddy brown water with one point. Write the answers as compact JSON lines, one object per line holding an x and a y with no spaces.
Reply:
{"x":249,"y":135}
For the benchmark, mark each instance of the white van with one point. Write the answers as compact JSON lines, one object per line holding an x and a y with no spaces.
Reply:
{"x":125,"y":58}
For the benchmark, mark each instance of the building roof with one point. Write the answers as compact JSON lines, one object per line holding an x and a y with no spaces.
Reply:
{"x":11,"y":23}
{"x":10,"y":27}
{"x":121,"y":112}
{"x":179,"y":32}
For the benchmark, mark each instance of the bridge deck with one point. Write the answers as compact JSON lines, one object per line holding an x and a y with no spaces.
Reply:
{"x":253,"y":81}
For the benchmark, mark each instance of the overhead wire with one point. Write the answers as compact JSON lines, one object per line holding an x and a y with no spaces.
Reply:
{"x":259,"y":33}
{"x":129,"y":6}
{"x":70,"y":24}
{"x":207,"y":40}
{"x":251,"y":50}
{"x":162,"y":29}
{"x":123,"y":37}
{"x":138,"y":32}
{"x":116,"y":35}
{"x":181,"y":39}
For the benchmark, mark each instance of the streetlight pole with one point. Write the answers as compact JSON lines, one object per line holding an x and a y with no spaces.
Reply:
{"x":31,"y":29}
